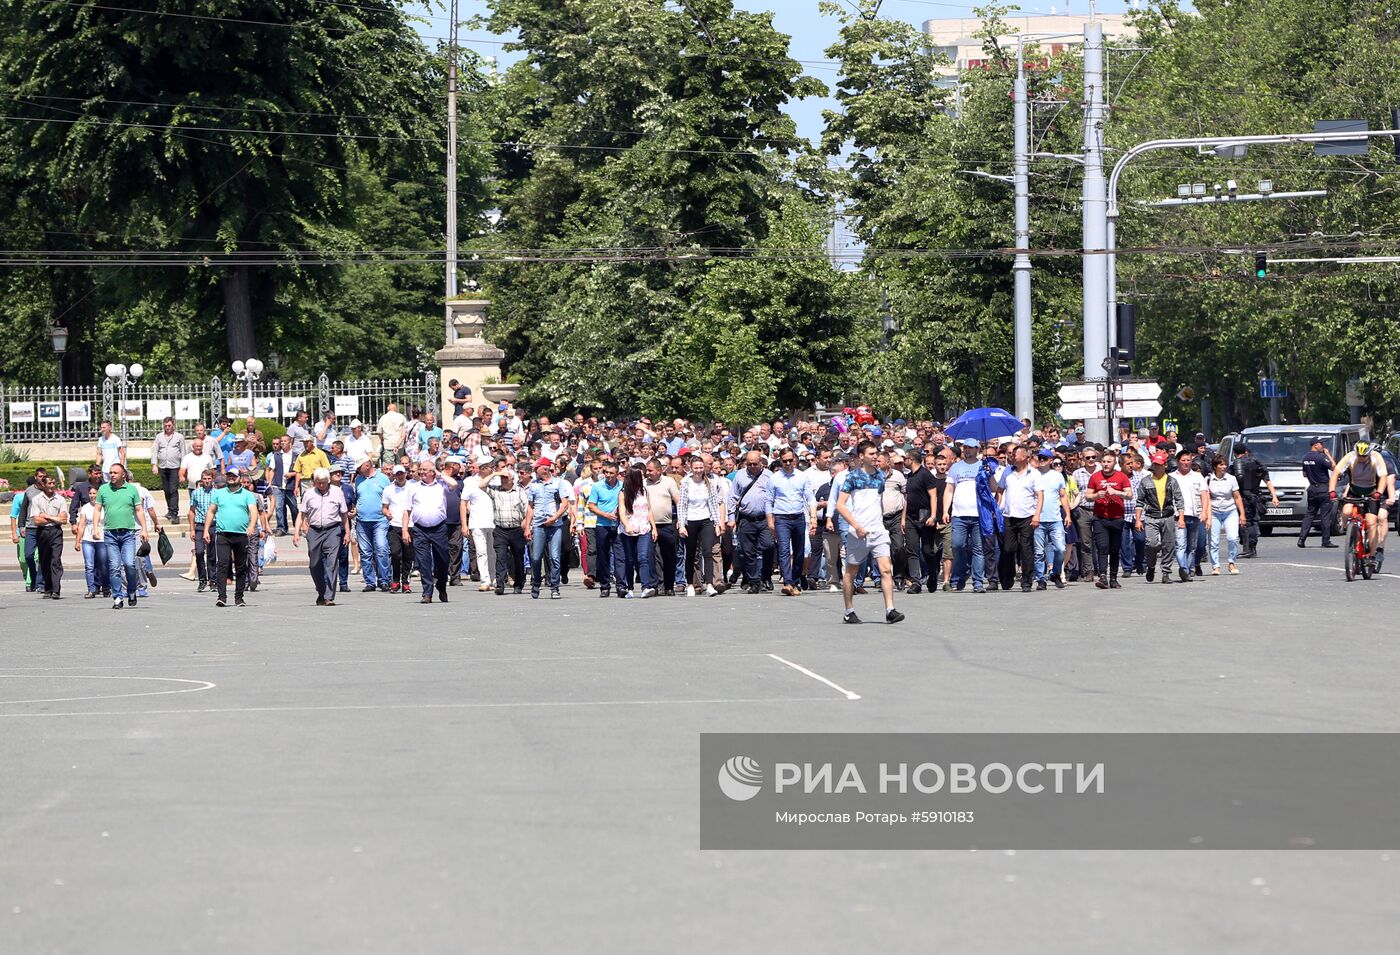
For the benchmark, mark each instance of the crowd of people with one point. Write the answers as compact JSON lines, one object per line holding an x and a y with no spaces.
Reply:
{"x":642,"y":509}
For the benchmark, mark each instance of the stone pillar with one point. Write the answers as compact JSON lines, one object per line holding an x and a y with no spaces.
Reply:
{"x":470,"y":358}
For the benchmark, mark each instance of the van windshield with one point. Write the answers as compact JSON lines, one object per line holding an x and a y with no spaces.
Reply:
{"x":1285,"y":449}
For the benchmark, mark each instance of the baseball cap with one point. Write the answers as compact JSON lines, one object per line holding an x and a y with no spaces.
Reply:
{"x":309,"y":438}
{"x":233,"y":472}
{"x":1159,"y":457}
{"x":969,"y":442}
{"x":400,"y":469}
{"x":1046,"y":453}
{"x":544,"y":463}
{"x":1142,"y":432}
{"x":1079,"y":430}
{"x":501,"y":406}
{"x":1201,"y":435}
{"x":840,"y":456}
{"x":357,"y":423}
{"x":337,"y":469}
{"x":888,"y":443}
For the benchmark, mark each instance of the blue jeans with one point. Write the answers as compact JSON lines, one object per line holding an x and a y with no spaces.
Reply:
{"x":1049,"y":543}
{"x":636,"y":558}
{"x":32,"y":566}
{"x":967,"y":549}
{"x":1227,"y":520}
{"x":790,"y":532}
{"x":1186,"y":543}
{"x":546,"y":538}
{"x":121,"y":559}
{"x":284,"y":504}
{"x":374,"y":551}
{"x":1134,"y":556}
{"x":95,"y":566}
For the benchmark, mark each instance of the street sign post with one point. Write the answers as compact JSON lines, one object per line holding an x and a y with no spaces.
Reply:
{"x":1116,"y":399}
{"x":1272,"y":388}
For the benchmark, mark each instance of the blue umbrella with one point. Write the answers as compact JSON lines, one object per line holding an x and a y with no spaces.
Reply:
{"x":984,"y":424}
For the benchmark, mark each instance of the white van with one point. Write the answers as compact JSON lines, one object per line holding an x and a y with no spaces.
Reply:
{"x":1280,"y":448}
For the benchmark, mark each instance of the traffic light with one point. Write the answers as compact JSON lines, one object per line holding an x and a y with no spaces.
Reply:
{"x":1261,"y":265}
{"x":1127,"y":329}
{"x":1119,"y":365}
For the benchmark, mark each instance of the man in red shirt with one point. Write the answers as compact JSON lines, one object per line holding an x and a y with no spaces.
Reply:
{"x":1108,"y":489}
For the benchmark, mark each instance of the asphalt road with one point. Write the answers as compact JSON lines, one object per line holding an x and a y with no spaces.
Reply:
{"x":504,"y":775}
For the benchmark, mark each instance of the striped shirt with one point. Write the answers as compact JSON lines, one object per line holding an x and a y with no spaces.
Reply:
{"x":200,"y":498}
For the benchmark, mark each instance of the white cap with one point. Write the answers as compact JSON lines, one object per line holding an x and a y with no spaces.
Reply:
{"x":357,"y":423}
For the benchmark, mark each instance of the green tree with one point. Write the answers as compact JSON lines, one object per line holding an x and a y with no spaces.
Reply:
{"x":235,"y":131}
{"x":633,"y":127}
{"x":1205,"y":320}
{"x":924,"y":221}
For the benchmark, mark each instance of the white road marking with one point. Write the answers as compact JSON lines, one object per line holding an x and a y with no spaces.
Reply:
{"x":420,"y":706}
{"x":1335,"y":570}
{"x":201,"y":685}
{"x":817,"y":676}
{"x":265,"y":664}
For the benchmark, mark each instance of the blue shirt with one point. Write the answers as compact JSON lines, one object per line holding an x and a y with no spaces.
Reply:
{"x":790,"y":494}
{"x":370,"y":508}
{"x":605,"y":499}
{"x":674,"y":445}
{"x":427,"y":434}
{"x":231,"y":510}
{"x":546,"y":497}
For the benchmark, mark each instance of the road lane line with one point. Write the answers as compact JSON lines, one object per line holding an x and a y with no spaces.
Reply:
{"x":418,"y":706}
{"x":1336,"y":570}
{"x":816,"y":676}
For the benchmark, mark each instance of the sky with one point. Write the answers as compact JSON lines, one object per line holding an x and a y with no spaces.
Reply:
{"x":811,"y":34}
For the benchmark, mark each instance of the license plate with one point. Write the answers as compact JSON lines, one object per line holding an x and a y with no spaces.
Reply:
{"x":1278,"y":511}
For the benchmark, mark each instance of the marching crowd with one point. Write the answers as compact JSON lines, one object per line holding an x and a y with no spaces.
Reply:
{"x":645,"y":509}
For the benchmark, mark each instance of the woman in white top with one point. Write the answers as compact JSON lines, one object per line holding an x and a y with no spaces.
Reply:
{"x":638,"y":534}
{"x":90,"y":540}
{"x":1227,"y":513}
{"x":701,"y":514}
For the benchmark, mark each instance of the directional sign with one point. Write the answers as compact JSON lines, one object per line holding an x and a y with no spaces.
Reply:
{"x":1073,"y":392}
{"x":1137,"y":390}
{"x":1079,"y":410}
{"x":1135,"y":409}
{"x":1272,"y":388}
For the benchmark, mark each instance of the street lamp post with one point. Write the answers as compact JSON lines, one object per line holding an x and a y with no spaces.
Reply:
{"x":124,"y":377}
{"x":248,"y":371}
{"x":58,"y":337}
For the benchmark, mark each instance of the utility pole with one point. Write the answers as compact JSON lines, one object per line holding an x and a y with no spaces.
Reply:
{"x":1021,"y":270}
{"x":1095,"y":223}
{"x":1273,"y":400}
{"x":449,"y":333}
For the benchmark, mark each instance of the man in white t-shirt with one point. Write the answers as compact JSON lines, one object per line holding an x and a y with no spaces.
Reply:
{"x":195,"y":462}
{"x":358,"y":444}
{"x":480,"y":522}
{"x":111,"y":449}
{"x":963,"y":514}
{"x":1195,"y":494}
{"x":1018,"y":503}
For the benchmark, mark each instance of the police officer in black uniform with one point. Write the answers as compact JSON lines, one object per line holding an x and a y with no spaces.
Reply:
{"x":1317,"y":466}
{"x":1251,"y":474}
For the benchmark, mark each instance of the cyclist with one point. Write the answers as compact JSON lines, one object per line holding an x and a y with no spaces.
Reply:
{"x":1366,"y":473}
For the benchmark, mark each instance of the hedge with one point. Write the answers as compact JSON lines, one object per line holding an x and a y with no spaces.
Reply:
{"x":18,"y":474}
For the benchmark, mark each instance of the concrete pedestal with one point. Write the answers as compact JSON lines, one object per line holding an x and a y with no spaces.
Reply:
{"x":470,"y":358}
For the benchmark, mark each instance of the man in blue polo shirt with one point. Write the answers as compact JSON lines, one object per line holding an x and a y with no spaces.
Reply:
{"x":371,"y":527}
{"x":602,"y":501}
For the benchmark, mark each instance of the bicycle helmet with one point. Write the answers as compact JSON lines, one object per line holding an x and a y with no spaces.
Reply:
{"x":1363,"y":448}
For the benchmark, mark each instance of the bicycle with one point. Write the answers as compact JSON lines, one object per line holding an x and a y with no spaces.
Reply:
{"x":1356,"y":558}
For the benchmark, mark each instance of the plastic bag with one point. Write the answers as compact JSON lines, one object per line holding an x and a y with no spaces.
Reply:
{"x":164,"y":548}
{"x":269,"y":551}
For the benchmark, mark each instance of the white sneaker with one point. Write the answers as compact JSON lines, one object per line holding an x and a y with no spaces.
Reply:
{"x":649,"y":592}
{"x":710,"y":591}
{"x":690,"y":591}
{"x":833,"y":589}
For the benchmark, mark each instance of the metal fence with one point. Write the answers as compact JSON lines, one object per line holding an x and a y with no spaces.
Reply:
{"x":41,"y":414}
